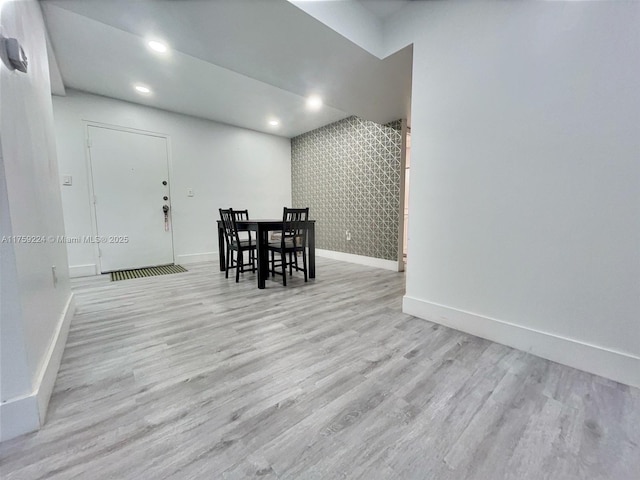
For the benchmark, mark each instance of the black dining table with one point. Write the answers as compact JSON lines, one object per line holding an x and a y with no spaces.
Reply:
{"x":262,"y":228}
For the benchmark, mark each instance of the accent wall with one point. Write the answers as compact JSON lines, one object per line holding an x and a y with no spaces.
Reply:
{"x":348,"y":174}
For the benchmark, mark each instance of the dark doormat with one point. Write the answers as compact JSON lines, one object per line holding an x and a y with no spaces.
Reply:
{"x":146,"y":272}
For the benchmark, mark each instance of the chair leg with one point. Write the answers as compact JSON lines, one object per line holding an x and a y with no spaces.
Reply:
{"x":226,"y":270}
{"x":253,"y":260}
{"x":238,"y":267}
{"x":290,"y":265}
{"x":283,"y":256}
{"x":273,"y":265}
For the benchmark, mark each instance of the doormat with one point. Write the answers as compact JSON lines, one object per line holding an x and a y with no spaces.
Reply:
{"x":146,"y":272}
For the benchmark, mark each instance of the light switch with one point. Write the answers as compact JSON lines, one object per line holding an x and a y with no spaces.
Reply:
{"x":190,"y":192}
{"x":67,"y":180}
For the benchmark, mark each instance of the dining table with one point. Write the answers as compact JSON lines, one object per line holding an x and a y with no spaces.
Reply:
{"x":262,"y":227}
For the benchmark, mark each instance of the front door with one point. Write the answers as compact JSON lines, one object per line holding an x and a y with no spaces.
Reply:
{"x":131,"y":193}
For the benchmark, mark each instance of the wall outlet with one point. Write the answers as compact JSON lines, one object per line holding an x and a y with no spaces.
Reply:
{"x":348,"y":236}
{"x":67,"y":180}
{"x":189,"y":192}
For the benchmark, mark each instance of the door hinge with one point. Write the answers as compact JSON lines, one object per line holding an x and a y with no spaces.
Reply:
{"x":88,"y":141}
{"x":99,"y":252}
{"x":95,"y":199}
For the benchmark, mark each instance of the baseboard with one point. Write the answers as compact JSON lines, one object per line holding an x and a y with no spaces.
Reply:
{"x":91,"y":269}
{"x":51,"y":365}
{"x":87,"y":270}
{"x":359,"y":259}
{"x":27,"y":413}
{"x":615,"y":365}
{"x":19,"y":416}
{"x":196,"y":258}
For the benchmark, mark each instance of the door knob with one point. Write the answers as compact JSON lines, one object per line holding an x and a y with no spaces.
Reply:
{"x":164,"y":182}
{"x":165,"y":198}
{"x":165,"y":210}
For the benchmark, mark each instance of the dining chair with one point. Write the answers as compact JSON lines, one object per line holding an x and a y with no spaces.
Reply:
{"x":242,"y":215}
{"x":293,"y":240}
{"x":235,"y":244}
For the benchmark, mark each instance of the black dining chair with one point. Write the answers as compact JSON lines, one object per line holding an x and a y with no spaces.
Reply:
{"x":242,"y":215}
{"x":293,"y":241}
{"x":235,"y":244}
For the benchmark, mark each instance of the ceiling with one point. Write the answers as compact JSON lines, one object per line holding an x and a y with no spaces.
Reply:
{"x":236,"y":62}
{"x":383,"y":8}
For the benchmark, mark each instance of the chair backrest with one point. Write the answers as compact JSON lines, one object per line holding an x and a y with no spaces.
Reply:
{"x":229,"y":223}
{"x":242,"y":215}
{"x":229,"y":217}
{"x":294,"y":225}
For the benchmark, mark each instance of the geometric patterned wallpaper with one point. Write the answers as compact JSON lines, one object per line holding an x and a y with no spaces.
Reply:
{"x":348,"y":174}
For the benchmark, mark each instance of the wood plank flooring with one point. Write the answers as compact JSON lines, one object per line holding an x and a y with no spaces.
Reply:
{"x":192,"y":376}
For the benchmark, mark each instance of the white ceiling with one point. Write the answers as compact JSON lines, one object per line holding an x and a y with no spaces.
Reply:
{"x":383,"y":8}
{"x":237,"y":62}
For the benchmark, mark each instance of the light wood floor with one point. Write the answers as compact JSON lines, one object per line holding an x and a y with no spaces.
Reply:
{"x":192,"y":376}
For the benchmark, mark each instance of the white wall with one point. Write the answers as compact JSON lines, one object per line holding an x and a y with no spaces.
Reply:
{"x":225,"y":166}
{"x":350,"y":19}
{"x":524,"y":215}
{"x":35,"y":311}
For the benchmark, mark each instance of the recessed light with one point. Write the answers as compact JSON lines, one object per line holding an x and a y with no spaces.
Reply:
{"x":274,"y":122}
{"x":157,"y":46}
{"x":142,"y":89}
{"x":314,"y":102}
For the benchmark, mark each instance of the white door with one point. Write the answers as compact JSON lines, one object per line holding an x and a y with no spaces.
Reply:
{"x":130,"y":184}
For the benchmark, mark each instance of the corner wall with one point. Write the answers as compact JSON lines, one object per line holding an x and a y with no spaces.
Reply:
{"x":525,"y":181}
{"x":36,"y":304}
{"x":348,"y":174}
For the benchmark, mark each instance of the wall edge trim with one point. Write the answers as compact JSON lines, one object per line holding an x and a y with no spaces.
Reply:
{"x":187,"y":258}
{"x":618,"y":366}
{"x":53,"y":358}
{"x":19,"y":416}
{"x":27,"y":413}
{"x":359,"y":259}
{"x":87,"y":270}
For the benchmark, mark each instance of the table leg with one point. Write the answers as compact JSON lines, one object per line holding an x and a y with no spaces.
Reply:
{"x":221,"y":248}
{"x":312,"y":250}
{"x":263,"y":256}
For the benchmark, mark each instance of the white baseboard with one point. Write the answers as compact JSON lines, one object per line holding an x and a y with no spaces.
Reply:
{"x":87,"y":270}
{"x":345,"y":257}
{"x":619,"y":366}
{"x":19,"y":416}
{"x":27,"y":413}
{"x":196,"y":258}
{"x":359,"y":259}
{"x":91,"y":269}
{"x":51,"y":365}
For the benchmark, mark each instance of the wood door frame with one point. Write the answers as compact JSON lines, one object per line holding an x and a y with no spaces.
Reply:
{"x":92,"y":205}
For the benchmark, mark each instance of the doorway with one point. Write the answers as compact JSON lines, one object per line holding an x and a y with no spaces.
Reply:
{"x":131,"y":200}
